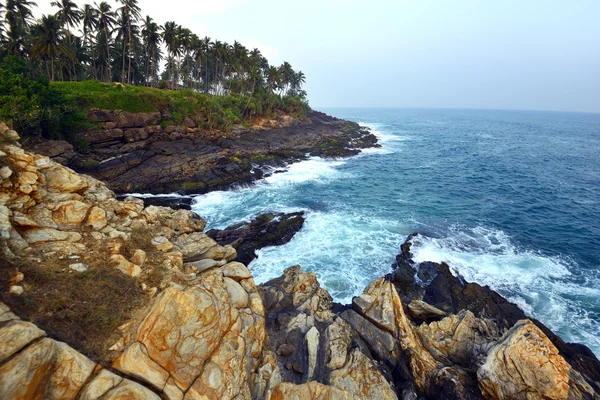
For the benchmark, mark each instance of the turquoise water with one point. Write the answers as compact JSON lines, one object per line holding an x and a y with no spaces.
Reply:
{"x":509,"y":199}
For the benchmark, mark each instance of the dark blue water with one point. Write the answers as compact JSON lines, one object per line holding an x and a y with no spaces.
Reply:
{"x":509,"y":199}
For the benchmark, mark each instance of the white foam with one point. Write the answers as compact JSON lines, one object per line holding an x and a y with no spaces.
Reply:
{"x":272,"y":194}
{"x":345,"y":251}
{"x":541,"y":285}
{"x":150,"y":195}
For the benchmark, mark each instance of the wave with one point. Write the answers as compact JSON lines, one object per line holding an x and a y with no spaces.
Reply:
{"x":543,"y":286}
{"x":345,"y":250}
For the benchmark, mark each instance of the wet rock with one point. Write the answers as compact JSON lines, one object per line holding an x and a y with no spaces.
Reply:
{"x":265,"y":230}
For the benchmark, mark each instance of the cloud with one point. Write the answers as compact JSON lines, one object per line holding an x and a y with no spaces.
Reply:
{"x":271,"y":53}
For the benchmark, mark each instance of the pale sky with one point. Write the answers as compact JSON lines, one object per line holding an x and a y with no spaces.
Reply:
{"x":502,"y":54}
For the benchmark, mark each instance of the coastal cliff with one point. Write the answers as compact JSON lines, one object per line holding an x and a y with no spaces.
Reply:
{"x":146,"y":152}
{"x":187,"y":320}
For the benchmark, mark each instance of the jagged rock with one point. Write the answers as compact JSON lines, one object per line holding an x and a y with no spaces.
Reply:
{"x":236,"y":271}
{"x":524,"y":365}
{"x":46,"y":369}
{"x":425,"y":312}
{"x":264,"y":230}
{"x":194,"y":246}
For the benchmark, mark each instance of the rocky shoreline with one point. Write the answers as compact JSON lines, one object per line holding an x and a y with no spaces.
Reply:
{"x":135,"y":153}
{"x":112,"y":299}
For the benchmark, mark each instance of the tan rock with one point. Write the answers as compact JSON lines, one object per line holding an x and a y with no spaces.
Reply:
{"x":230,"y":252}
{"x":16,"y":290}
{"x":161,"y":243}
{"x":97,"y":218}
{"x":236,"y":271}
{"x":102,"y":383}
{"x":184,"y":328}
{"x":45,"y":235}
{"x":194,"y":245}
{"x":136,"y":363}
{"x":237,"y":294}
{"x":423,"y":311}
{"x":524,"y":365}
{"x":338,"y":342}
{"x":129,"y":390}
{"x":381,"y":305}
{"x":62,"y":179}
{"x":70,"y":213}
{"x":139,"y":257}
{"x":310,"y":390}
{"x":458,"y":339}
{"x":15,"y":335}
{"x":45,"y":370}
{"x":312,"y":344}
{"x":202,"y":265}
{"x":361,"y":379}
{"x":125,"y":266}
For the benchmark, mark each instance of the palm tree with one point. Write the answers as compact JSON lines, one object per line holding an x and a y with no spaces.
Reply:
{"x":106,"y":20}
{"x":68,"y":15}
{"x":205,"y":46}
{"x":151,"y":37}
{"x":49,"y":44}
{"x":273,"y":78}
{"x":132,"y":13}
{"x":89,"y":21}
{"x":18,"y":16}
{"x":171,"y":39}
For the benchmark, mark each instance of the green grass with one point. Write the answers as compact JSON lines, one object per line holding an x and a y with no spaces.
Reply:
{"x":208,"y":111}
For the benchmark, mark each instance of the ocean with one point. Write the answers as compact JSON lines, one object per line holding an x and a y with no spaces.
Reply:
{"x":510,"y":199}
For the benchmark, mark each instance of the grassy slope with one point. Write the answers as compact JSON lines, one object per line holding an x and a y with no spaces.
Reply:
{"x":209,"y":111}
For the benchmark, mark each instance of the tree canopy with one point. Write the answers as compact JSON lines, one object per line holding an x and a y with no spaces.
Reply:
{"x":115,"y":43}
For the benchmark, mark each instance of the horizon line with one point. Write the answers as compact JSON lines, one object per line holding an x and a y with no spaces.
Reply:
{"x":455,"y":108}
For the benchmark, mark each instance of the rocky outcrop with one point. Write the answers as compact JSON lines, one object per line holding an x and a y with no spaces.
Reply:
{"x":134,"y":153}
{"x":205,"y":330}
{"x":263,"y":231}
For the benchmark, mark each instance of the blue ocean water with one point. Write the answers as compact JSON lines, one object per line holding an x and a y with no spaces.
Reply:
{"x":509,"y":199}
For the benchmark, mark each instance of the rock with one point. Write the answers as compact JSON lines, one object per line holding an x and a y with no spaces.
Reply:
{"x":62,"y":179}
{"x":194,"y":246}
{"x":162,"y":243}
{"x":5,"y":172}
{"x":102,"y":383}
{"x":125,"y":266}
{"x":70,"y":214}
{"x":236,"y":271}
{"x":139,"y":257}
{"x":237,"y":294}
{"x":15,"y":335}
{"x":265,"y":230}
{"x":312,"y":344}
{"x":79,"y":267}
{"x":360,"y":378}
{"x":16,"y":289}
{"x":51,"y":370}
{"x":97,"y":218}
{"x":524,"y":365}
{"x":203,"y":265}
{"x":420,"y":310}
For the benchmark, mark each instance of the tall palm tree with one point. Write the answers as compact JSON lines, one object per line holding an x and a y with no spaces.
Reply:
{"x":172,"y":42}
{"x":132,"y":13}
{"x":18,"y":16}
{"x":89,"y":22}
{"x":68,"y":15}
{"x":151,"y":37}
{"x":49,"y":43}
{"x":273,"y":78}
{"x":205,"y":45}
{"x":106,"y":20}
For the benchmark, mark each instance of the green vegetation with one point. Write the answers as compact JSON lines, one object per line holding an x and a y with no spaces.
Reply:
{"x":216,"y":83}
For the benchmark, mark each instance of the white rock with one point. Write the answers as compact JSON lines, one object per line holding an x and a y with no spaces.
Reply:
{"x":79,"y":267}
{"x":18,"y":290}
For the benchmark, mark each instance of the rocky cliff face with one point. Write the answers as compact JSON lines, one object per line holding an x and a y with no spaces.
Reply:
{"x":135,"y":153}
{"x":202,"y":329}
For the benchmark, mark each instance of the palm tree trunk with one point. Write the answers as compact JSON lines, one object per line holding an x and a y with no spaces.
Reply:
{"x":52,"y":79}
{"x":108,"y":77}
{"x":129,"y":58}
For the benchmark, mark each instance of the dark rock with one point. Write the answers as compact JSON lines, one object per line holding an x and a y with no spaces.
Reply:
{"x":265,"y":230}
{"x":101,"y":116}
{"x":450,"y":293}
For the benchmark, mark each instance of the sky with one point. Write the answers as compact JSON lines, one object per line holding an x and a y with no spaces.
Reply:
{"x":503,"y":54}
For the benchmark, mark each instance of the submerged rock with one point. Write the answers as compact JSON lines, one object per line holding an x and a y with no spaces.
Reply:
{"x":263,"y":231}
